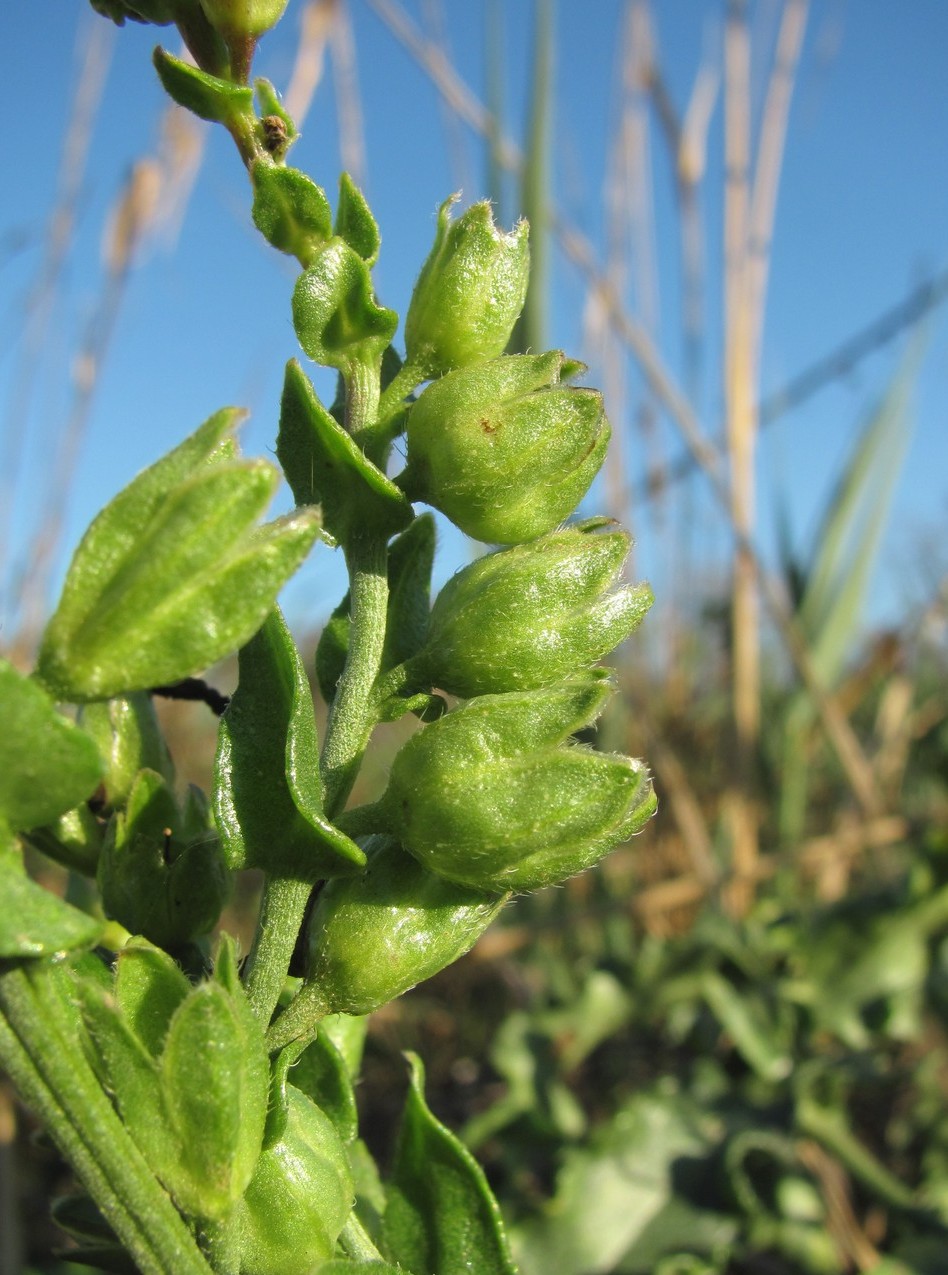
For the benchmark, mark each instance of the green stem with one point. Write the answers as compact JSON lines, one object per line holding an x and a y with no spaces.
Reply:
{"x":300,"y":1020}
{"x":399,"y":387}
{"x":827,"y":1128}
{"x":357,"y":1242}
{"x":351,"y":718}
{"x":352,"y":715}
{"x":39,"y":1050}
{"x":281,"y":916}
{"x":362,"y":399}
{"x":362,"y":820}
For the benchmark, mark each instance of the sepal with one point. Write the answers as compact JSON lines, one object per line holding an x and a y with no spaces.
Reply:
{"x":299,"y":1197}
{"x":503,"y":448}
{"x":158,"y":874}
{"x":470,"y":291}
{"x":530,"y":615}
{"x":376,"y":935}
{"x":489,"y":797}
{"x":355,"y":223}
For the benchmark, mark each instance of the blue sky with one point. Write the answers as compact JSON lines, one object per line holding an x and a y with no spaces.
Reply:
{"x":205,"y":317}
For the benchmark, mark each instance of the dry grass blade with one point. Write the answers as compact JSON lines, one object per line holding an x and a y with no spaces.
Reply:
{"x":97,"y":42}
{"x":579,"y":250}
{"x":316,"y":21}
{"x":348,"y":98}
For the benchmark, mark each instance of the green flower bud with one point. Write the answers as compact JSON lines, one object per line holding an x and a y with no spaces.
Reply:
{"x":469,"y":293}
{"x":504,"y":449}
{"x":161,"y":872}
{"x":374,"y":936}
{"x":243,"y":19}
{"x":490,"y":797}
{"x":526,"y":617}
{"x":299,"y":1197}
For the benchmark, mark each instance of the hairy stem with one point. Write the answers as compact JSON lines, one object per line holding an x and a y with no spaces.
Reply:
{"x":352,"y":715}
{"x":281,"y":916}
{"x":39,"y":1050}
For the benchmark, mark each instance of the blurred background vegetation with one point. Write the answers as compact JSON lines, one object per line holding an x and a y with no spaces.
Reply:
{"x":725,"y":1050}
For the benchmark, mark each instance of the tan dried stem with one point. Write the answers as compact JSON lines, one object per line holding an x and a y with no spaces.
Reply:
{"x":316,"y":21}
{"x":348,"y":98}
{"x":579,"y":250}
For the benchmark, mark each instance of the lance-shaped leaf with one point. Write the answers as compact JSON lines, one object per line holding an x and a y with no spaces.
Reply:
{"x":290,"y":210}
{"x":441,"y":1216}
{"x":149,"y":987}
{"x":355,"y":223}
{"x":47,"y":764}
{"x":173,"y":574}
{"x":215,"y":1084}
{"x":337,"y":319}
{"x":34,"y":922}
{"x":207,"y":96}
{"x":268,"y":798}
{"x":324,"y":465}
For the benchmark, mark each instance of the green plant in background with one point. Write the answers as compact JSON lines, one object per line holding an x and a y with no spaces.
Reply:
{"x":207,"y":1108}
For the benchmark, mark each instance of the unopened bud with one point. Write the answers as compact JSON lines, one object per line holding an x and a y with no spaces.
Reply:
{"x":503,"y":449}
{"x":470,"y":291}
{"x":529,"y":616}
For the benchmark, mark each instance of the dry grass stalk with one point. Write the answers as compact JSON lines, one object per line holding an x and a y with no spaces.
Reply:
{"x":579,"y":250}
{"x":316,"y":21}
{"x":152,"y":201}
{"x":748,"y":227}
{"x":348,"y":98}
{"x":97,"y":42}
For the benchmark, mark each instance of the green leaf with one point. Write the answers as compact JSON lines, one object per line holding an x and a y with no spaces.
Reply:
{"x":215,"y":1083}
{"x":268,"y":799}
{"x":410,"y":559}
{"x":47,"y":764}
{"x":611,"y":1194}
{"x":355,"y":223}
{"x":321,"y":1073}
{"x":332,"y":649}
{"x":324,"y":465}
{"x":149,"y":988}
{"x":441,"y":1217}
{"x":336,"y":316}
{"x":172,"y":575}
{"x":204,"y":95}
{"x":34,"y":922}
{"x":129,"y":737}
{"x":290,"y":210}
{"x":132,"y":1077}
